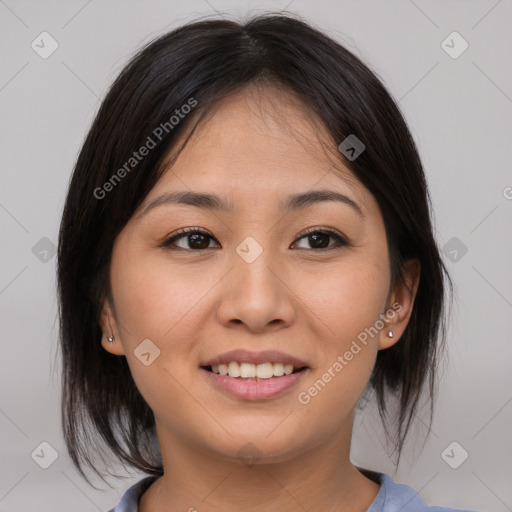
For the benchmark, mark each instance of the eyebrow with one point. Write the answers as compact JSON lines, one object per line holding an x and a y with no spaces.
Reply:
{"x":214,"y":202}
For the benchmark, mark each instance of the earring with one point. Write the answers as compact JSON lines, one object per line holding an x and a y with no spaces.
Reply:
{"x":110,"y":339}
{"x":390,"y":334}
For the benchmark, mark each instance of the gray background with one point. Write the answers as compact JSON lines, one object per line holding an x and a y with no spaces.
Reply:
{"x":459,"y":110}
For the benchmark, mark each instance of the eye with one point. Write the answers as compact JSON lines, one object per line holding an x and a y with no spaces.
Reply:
{"x":199,"y":239}
{"x":319,"y":239}
{"x":194,"y":238}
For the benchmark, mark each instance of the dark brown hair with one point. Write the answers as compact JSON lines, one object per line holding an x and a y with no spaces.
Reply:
{"x":208,"y":60}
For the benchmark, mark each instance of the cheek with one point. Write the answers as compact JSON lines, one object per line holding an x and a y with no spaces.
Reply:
{"x":153,"y":298}
{"x":349,"y":303}
{"x":348,"y":296}
{"x":160,"y":304}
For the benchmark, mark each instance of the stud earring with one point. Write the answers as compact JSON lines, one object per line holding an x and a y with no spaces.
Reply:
{"x":110,"y":339}
{"x":390,"y":334}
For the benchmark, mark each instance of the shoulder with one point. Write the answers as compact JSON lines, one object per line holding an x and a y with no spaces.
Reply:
{"x":393,"y":497}
{"x":130,"y":499}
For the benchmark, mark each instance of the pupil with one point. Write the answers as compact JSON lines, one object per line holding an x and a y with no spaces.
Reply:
{"x":195,"y":237}
{"x":315,"y":236}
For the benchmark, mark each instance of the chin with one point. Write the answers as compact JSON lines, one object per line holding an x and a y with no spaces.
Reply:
{"x":263,"y":446}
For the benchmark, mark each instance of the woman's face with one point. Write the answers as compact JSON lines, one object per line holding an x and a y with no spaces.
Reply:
{"x":267,"y":274}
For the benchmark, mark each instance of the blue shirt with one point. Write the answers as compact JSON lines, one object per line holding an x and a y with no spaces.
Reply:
{"x":392,"y":497}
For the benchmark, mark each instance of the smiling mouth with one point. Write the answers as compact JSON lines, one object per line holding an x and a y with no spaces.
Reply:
{"x":254,"y":372}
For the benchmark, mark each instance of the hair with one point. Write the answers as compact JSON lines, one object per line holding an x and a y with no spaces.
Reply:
{"x":205,"y":61}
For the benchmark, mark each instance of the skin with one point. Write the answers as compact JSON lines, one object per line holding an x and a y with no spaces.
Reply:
{"x":194,"y":304}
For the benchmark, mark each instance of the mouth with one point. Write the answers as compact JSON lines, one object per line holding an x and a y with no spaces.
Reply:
{"x":254,"y":376}
{"x":254,"y":372}
{"x":250,"y":375}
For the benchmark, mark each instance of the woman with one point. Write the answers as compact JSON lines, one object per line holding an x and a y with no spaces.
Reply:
{"x":245,"y":251}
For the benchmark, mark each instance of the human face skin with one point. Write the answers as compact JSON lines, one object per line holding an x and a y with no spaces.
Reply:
{"x":200,"y":298}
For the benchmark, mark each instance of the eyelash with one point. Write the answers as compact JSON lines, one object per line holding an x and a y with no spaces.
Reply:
{"x":183,"y":232}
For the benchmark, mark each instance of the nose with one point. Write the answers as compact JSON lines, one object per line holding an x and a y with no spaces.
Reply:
{"x":256,"y":296}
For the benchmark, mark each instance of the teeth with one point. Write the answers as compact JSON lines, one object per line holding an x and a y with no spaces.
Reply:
{"x":248,"y":370}
{"x":278,"y":369}
{"x":265,"y":371}
{"x":234,"y":369}
{"x":288,"y":368}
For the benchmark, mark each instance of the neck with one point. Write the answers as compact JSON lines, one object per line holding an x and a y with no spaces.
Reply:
{"x":322,"y":478}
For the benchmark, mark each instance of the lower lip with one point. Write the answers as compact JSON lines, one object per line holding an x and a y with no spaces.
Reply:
{"x":255,"y":389}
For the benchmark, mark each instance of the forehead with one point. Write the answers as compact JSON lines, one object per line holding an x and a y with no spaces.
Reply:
{"x":260,"y":143}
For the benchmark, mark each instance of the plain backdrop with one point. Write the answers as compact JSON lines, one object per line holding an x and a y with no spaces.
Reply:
{"x":459,"y":108}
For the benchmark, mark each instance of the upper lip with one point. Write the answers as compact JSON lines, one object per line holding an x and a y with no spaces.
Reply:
{"x":245,"y":356}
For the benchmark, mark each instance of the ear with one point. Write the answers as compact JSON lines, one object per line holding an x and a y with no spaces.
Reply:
{"x":400,"y":304}
{"x":109,"y":328}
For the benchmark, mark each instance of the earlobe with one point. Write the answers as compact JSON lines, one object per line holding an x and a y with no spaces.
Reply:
{"x":110,"y":339}
{"x":387,"y":337}
{"x":401,"y":305}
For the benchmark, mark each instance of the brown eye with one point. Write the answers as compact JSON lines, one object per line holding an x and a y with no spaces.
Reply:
{"x":319,"y":239}
{"x":194,"y":239}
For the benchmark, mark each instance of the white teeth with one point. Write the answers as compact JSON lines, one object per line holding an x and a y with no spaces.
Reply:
{"x":288,"y":368}
{"x":265,"y":371}
{"x":234,"y":369}
{"x":249,"y":370}
{"x":278,"y":369}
